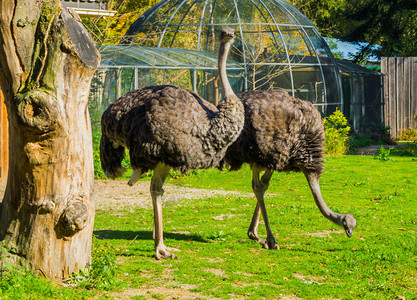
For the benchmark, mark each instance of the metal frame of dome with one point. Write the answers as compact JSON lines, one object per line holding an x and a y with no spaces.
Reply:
{"x":160,"y":26}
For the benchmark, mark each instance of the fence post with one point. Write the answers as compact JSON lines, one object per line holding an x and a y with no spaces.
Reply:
{"x":392,"y":97}
{"x":384,"y":71}
{"x":406,"y":105}
{"x":400,"y":94}
{"x":136,"y":85}
{"x":413,"y":91}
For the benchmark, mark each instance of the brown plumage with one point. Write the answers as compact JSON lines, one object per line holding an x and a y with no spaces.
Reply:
{"x":281,"y":133}
{"x":170,"y":127}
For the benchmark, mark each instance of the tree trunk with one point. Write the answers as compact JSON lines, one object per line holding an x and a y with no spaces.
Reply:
{"x":47,"y":62}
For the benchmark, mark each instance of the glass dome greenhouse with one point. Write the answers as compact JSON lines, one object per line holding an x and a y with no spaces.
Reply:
{"x":175,"y":42}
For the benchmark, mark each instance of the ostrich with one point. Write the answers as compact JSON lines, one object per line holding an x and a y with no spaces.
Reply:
{"x":281,"y":133}
{"x":168,"y":127}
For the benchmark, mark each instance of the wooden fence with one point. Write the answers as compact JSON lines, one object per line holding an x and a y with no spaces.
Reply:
{"x":400,"y":92}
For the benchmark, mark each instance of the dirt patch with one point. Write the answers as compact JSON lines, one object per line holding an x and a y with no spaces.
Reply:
{"x":374,"y":149}
{"x":117,"y":193}
{"x":309,"y":279}
{"x":217,"y":272}
{"x":110,"y":194}
{"x":158,"y":292}
{"x":324,"y":233}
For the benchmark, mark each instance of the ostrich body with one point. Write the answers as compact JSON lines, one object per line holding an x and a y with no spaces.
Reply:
{"x":170,"y":127}
{"x":281,"y":133}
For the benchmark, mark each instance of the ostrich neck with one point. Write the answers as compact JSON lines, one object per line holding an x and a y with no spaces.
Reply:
{"x":327,"y":212}
{"x":223,"y":53}
{"x":313,"y":181}
{"x":228,"y":122}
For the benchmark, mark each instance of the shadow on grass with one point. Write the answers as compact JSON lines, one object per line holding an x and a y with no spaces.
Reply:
{"x":409,"y":150}
{"x":145,"y":235}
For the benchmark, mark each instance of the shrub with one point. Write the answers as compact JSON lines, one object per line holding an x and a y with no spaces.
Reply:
{"x":408,"y":134}
{"x":336,"y":134}
{"x":358,"y":141}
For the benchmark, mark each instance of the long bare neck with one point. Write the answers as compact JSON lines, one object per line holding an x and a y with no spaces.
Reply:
{"x":324,"y":209}
{"x":223,"y":53}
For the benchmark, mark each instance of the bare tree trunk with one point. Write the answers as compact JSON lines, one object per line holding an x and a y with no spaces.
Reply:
{"x":47,"y":62}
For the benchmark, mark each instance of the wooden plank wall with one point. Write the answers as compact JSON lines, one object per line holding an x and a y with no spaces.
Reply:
{"x":4,"y":139}
{"x":400,"y":92}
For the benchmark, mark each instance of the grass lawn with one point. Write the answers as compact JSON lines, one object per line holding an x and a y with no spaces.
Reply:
{"x":316,"y":259}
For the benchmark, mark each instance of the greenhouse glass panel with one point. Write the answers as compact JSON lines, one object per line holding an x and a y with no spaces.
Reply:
{"x":322,"y":49}
{"x":269,"y":77}
{"x":276,"y":15}
{"x":309,"y":84}
{"x":296,"y":16}
{"x":176,"y":42}
{"x":299,"y":48}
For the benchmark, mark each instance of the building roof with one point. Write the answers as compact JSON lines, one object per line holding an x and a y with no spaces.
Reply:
{"x":90,"y":8}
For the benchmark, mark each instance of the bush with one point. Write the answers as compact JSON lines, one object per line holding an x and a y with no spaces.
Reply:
{"x":336,"y":134}
{"x":358,"y":141}
{"x":408,"y":134}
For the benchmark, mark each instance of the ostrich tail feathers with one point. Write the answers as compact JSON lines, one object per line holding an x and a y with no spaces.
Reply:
{"x":111,"y":157}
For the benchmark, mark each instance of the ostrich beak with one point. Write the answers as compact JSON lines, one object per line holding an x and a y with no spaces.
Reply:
{"x":349,"y":232}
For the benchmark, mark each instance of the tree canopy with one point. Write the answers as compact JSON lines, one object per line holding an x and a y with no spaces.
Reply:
{"x":392,"y":24}
{"x":109,"y":30}
{"x":388,"y":23}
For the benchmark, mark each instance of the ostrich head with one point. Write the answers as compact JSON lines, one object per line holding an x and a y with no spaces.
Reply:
{"x":348,"y":223}
{"x":227,"y":34}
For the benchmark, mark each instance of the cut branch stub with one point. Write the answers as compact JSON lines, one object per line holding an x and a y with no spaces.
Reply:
{"x":36,"y":112}
{"x":73,"y":219}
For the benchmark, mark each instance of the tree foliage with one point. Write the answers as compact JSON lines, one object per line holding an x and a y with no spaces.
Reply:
{"x":322,"y":13}
{"x":388,"y":23}
{"x":109,"y":30}
{"x":392,"y":24}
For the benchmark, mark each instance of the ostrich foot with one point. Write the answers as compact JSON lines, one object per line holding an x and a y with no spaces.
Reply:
{"x":269,"y":243}
{"x":136,"y":175}
{"x":163,"y":251}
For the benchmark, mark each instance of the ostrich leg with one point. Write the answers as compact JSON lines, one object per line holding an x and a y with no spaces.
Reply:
{"x":157,"y":181}
{"x":347,"y":221}
{"x":259,"y":187}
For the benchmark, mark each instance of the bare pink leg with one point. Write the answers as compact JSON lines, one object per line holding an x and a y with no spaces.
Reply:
{"x":157,"y":181}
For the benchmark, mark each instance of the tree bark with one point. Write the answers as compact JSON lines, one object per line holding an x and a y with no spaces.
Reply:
{"x":47,"y":62}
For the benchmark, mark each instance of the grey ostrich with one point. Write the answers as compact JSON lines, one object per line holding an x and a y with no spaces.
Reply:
{"x":168,"y":127}
{"x":281,"y":133}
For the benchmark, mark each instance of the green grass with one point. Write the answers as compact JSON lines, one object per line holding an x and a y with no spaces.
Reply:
{"x":316,"y":259}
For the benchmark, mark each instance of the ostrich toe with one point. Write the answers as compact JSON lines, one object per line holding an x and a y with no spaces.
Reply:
{"x":163,"y":251}
{"x":269,"y":243}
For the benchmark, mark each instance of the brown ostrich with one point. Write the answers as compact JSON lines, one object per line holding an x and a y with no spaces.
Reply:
{"x":168,"y":127}
{"x":281,"y":133}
